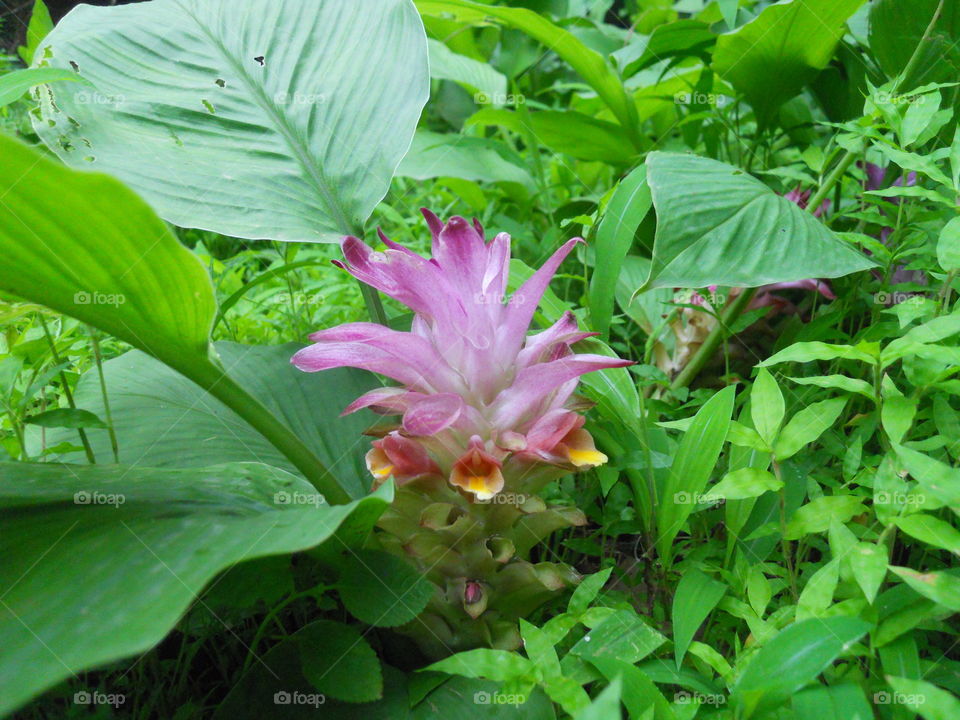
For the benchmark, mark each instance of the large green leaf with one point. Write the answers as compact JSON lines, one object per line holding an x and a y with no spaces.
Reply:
{"x":255,"y":118}
{"x":99,"y":562}
{"x":772,"y":57}
{"x":164,"y":420}
{"x":15,"y":84}
{"x":896,"y":27}
{"x":85,"y":245}
{"x":718,"y":225}
{"x":792,"y":660}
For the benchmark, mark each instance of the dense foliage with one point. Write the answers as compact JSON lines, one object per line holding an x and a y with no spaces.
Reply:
{"x":701,"y":463}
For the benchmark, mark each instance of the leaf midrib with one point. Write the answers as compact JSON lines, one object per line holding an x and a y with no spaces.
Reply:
{"x":300,"y":152}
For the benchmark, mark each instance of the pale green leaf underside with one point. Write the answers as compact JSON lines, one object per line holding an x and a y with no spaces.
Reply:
{"x":86,"y":584}
{"x":718,"y":225}
{"x":299,"y":145}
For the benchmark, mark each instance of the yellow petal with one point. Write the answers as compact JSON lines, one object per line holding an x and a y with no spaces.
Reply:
{"x":581,"y":458}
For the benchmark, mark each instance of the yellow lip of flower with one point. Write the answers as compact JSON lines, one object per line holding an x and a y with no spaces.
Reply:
{"x":581,"y":450}
{"x":379,"y":464}
{"x":477,"y":473}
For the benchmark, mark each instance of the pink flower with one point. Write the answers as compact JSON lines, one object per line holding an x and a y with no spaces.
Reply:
{"x":481,"y":400}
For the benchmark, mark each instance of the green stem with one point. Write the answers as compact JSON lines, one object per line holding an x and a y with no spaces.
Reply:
{"x":371,"y":299}
{"x":915,"y":57}
{"x":215,"y":381}
{"x":98,"y":357}
{"x":729,"y":315}
{"x":67,"y":393}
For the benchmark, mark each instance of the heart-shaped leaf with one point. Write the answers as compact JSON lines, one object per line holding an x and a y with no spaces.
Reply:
{"x":717,"y":225}
{"x":254,"y":118}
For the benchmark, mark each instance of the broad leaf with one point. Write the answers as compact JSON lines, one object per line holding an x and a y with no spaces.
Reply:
{"x":896,"y":27}
{"x":163,"y":420}
{"x":288,"y":128}
{"x":339,"y":662}
{"x":717,"y":225}
{"x":85,"y":245}
{"x":773,"y":56}
{"x":381,"y":589}
{"x":100,"y":562}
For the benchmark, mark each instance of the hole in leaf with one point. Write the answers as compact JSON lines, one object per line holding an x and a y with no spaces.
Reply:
{"x":221,"y":82}
{"x":73,"y":121}
{"x":208,"y":106}
{"x":65,"y":143}
{"x":260,"y":60}
{"x":76,"y":68}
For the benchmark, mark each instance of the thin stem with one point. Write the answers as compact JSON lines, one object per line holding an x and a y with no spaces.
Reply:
{"x":371,"y":298}
{"x":98,"y":357}
{"x":67,"y":393}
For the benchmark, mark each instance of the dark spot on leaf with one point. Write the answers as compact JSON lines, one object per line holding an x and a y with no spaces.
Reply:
{"x":208,"y":106}
{"x":76,"y":68}
{"x":221,"y":82}
{"x":65,"y":143}
{"x":260,"y":60}
{"x":86,"y":142}
{"x":90,"y":158}
{"x":73,"y":121}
